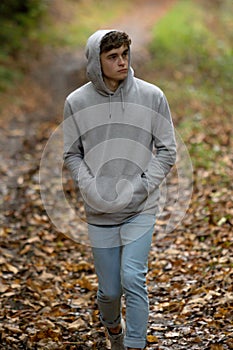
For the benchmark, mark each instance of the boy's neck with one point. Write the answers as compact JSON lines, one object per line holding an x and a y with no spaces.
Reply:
{"x":112,"y":85}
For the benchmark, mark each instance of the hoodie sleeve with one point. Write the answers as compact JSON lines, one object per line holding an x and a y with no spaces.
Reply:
{"x":73,"y":149}
{"x":165,"y":144}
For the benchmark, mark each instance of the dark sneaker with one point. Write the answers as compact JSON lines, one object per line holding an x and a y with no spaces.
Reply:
{"x":117,"y":341}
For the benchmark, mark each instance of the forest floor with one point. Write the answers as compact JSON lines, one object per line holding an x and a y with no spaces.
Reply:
{"x":47,"y":280}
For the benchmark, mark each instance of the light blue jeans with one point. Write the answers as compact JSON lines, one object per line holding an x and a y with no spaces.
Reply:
{"x":122,"y":269}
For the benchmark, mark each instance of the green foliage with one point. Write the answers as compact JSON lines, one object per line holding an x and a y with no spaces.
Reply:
{"x":19,"y":23}
{"x":7,"y":77}
{"x":178,"y":34}
{"x":192,"y":61}
{"x":182,"y":41}
{"x":28,"y":25}
{"x":19,"y":18}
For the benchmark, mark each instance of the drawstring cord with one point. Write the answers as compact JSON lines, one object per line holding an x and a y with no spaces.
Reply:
{"x":110,"y":106}
{"x":122,"y":99}
{"x":122,"y":102}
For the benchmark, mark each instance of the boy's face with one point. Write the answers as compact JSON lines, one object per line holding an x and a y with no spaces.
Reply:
{"x":115,"y":64}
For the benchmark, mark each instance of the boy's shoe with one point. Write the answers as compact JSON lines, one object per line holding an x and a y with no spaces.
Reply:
{"x":117,"y":341}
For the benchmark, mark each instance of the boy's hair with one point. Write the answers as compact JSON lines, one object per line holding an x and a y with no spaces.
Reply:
{"x":114,"y":40}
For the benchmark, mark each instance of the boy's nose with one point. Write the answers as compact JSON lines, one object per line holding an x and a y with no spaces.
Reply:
{"x":121,"y":60}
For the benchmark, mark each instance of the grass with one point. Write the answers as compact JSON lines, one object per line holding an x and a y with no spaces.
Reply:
{"x":192,"y":62}
{"x":8,"y":76}
{"x":177,"y":34}
{"x":198,"y":57}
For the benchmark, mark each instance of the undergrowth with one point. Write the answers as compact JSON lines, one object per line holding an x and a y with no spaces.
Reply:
{"x":191,"y":61}
{"x":39,"y":24}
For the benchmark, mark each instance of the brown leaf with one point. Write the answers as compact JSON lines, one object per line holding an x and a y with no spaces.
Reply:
{"x":2,"y":260}
{"x":216,"y":347}
{"x":12,"y":268}
{"x":3,"y":288}
{"x":13,"y":329}
{"x":77,"y":325}
{"x":25,"y":250}
{"x":46,"y":276}
{"x":83,"y":282}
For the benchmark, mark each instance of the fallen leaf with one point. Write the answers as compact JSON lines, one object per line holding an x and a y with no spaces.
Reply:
{"x":152,"y":339}
{"x":79,"y":324}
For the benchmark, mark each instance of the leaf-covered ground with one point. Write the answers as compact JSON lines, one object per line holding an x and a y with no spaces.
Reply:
{"x":48,"y":284}
{"x":47,"y":281}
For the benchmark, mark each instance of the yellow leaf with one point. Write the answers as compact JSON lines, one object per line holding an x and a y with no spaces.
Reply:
{"x":152,"y":339}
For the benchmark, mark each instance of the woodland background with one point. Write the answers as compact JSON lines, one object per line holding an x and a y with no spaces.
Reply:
{"x":47,"y":280}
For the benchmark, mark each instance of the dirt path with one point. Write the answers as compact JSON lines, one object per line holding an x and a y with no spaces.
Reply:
{"x":69,"y":70}
{"x":139,"y":22}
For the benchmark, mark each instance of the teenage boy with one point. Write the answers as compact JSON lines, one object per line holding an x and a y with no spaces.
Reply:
{"x":119,"y":145}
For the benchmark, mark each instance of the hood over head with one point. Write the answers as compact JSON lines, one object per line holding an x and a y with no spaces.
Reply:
{"x":94,"y":71}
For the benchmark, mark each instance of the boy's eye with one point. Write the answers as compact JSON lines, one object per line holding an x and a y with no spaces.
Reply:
{"x":115,"y":56}
{"x":112,"y":57}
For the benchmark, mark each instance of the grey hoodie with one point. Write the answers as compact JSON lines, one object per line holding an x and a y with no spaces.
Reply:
{"x":119,"y":146}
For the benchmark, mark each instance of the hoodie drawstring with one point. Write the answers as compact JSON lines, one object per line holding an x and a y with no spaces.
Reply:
{"x":110,"y":106}
{"x":122,"y":102}
{"x":122,"y":99}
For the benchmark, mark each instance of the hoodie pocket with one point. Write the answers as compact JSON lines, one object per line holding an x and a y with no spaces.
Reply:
{"x":107,"y":194}
{"x":140,"y":193}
